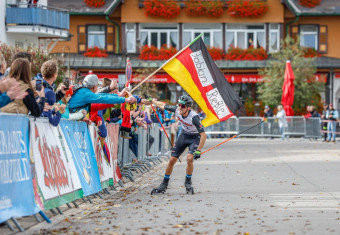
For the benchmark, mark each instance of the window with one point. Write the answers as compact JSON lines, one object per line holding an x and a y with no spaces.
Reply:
{"x":245,"y":36}
{"x":212,"y":34}
{"x":96,"y":36}
{"x":130,"y":38}
{"x":274,"y":37}
{"x":158,"y":35}
{"x":309,"y":36}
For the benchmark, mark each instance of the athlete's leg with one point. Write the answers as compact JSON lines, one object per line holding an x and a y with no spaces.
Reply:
{"x":170,"y":165}
{"x":190,"y":163}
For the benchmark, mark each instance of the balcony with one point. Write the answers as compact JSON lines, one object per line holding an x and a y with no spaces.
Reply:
{"x":37,"y":20}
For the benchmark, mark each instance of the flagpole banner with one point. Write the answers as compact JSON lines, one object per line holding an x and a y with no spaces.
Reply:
{"x":79,"y":141}
{"x":197,"y":73}
{"x":103,"y":156}
{"x":55,"y":178}
{"x":16,"y":188}
{"x":112,"y":140}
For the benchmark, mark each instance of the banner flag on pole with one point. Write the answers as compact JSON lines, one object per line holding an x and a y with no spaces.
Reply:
{"x":197,"y":73}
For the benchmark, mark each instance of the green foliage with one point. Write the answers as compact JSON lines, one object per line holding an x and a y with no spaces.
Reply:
{"x":306,"y":89}
{"x":39,"y":56}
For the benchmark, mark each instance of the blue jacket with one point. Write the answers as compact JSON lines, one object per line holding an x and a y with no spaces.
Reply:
{"x":53,"y":117}
{"x":84,"y":97}
{"x":4,"y":99}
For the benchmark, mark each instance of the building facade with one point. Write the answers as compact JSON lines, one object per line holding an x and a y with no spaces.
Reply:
{"x":122,"y":28}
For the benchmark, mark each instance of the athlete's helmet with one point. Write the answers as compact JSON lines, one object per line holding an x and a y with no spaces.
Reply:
{"x":186,"y":100}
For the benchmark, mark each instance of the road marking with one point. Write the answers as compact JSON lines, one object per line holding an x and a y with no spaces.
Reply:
{"x":307,"y":201}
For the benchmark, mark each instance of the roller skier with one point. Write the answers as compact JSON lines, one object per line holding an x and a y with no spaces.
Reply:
{"x":192,"y":136}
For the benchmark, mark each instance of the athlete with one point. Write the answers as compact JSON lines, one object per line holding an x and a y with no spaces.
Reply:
{"x":192,"y":136}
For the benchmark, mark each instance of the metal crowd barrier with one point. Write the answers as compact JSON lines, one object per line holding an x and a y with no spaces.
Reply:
{"x":295,"y":126}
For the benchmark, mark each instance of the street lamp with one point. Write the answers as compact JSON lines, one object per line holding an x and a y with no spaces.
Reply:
{"x":68,"y":56}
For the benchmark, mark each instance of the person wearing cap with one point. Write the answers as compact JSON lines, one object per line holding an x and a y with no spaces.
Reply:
{"x":85,"y":95}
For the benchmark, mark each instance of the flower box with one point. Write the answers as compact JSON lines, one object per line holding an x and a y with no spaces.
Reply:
{"x":309,"y":3}
{"x":95,"y":3}
{"x":247,"y":8}
{"x":309,"y":52}
{"x":95,"y":52}
{"x":246,"y":54}
{"x":153,"y":53}
{"x":204,"y":8}
{"x":161,"y":8}
{"x":216,"y":53}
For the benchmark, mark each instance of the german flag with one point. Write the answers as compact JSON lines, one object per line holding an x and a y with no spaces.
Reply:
{"x":197,"y":73}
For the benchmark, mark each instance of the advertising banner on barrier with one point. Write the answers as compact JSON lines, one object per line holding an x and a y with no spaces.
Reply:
{"x":16,"y":189}
{"x":103,"y":156}
{"x":56,"y":174}
{"x":112,"y":141}
{"x":79,"y":141}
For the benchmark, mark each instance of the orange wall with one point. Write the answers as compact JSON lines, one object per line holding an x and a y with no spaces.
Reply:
{"x":333,"y":32}
{"x":131,"y":13}
{"x":74,"y":22}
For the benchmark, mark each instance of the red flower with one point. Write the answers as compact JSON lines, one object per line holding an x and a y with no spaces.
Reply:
{"x":309,"y":3}
{"x":95,"y":52}
{"x":153,"y":53}
{"x":161,"y":8}
{"x":246,"y":54}
{"x":247,"y":8}
{"x":209,"y":8}
{"x":309,"y":52}
{"x":95,"y":3}
{"x":216,"y":53}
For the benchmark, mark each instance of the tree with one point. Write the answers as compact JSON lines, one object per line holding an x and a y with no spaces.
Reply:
{"x":39,"y":56}
{"x":306,"y":89}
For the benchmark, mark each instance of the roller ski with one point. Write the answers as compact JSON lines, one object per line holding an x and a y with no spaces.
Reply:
{"x":161,"y":188}
{"x":188,"y":186}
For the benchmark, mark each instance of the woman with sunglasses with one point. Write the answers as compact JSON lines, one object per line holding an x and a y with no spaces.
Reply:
{"x":192,"y":136}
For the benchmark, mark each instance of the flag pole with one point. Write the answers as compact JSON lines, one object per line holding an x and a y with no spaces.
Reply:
{"x":166,"y":62}
{"x":234,"y":136}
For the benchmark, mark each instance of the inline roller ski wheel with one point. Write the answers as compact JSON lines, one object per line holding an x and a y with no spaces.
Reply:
{"x":161,"y":188}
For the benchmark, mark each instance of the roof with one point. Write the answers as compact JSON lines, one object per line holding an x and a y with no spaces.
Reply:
{"x":326,"y":7}
{"x":117,"y":61}
{"x":79,"y":7}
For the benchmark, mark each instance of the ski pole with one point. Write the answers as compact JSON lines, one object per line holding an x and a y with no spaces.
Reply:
{"x":161,"y":125}
{"x":234,"y":136}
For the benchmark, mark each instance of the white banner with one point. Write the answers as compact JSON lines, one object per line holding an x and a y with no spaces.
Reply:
{"x":104,"y":160}
{"x":54,"y":165}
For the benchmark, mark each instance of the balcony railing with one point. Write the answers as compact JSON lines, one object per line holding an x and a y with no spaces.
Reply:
{"x":37,"y":15}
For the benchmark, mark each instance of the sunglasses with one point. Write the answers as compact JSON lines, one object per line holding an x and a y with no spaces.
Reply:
{"x":183,"y":106}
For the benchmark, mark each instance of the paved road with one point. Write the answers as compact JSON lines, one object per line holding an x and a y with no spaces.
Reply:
{"x":246,"y":186}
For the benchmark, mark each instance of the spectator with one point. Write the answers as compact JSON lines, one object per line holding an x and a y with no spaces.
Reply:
{"x":73,"y":116}
{"x":324,"y":122}
{"x":267,"y":117}
{"x":21,"y":71}
{"x":332,"y":116}
{"x":84,"y":96}
{"x":313,"y":112}
{"x":23,"y":55}
{"x":79,"y":80}
{"x":281,"y":116}
{"x":3,"y":66}
{"x":9,"y":91}
{"x":49,"y":72}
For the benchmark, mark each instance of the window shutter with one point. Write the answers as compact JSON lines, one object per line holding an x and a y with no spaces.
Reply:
{"x":110,"y":39}
{"x":81,"y":38}
{"x":294,"y":31}
{"x":323,"y":39}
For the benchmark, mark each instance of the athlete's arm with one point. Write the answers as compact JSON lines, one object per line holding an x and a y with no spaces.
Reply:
{"x":171,"y":108}
{"x":158,"y":104}
{"x":197,"y":123}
